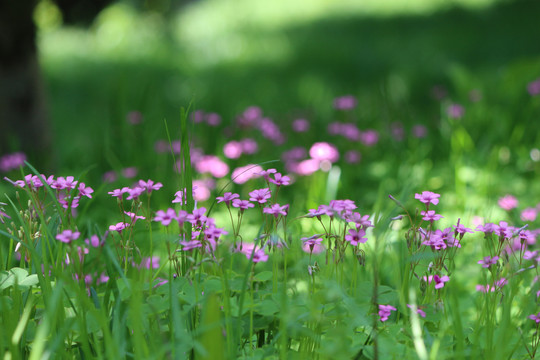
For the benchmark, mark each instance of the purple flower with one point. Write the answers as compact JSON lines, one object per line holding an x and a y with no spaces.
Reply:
{"x":243,"y":174}
{"x":347,"y":102}
{"x":227,"y":198}
{"x":300,"y":125}
{"x":428,"y":197}
{"x":119,"y":192}
{"x":488,"y":261}
{"x":280,"y":180}
{"x":260,"y":195}
{"x":430,"y":215}
{"x":535,"y":317}
{"x":508,"y":202}
{"x":312,"y":242}
{"x":242,"y":204}
{"x":85,"y":191}
{"x":134,"y":193}
{"x":455,"y":111}
{"x":439,"y":280}
{"x":197,"y":218}
{"x":418,"y":311}
{"x":68,"y":236}
{"x":119,"y":226}
{"x":460,"y":229}
{"x":529,"y":214}
{"x":534,"y":88}
{"x":12,"y":161}
{"x":190,"y":245}
{"x":258,"y":254}
{"x":324,"y":151}
{"x":277,"y":210}
{"x":356,"y":236}
{"x":232,"y":150}
{"x":149,"y":185}
{"x":385,"y":311}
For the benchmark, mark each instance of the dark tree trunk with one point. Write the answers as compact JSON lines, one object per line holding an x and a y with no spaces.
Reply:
{"x":23,"y":117}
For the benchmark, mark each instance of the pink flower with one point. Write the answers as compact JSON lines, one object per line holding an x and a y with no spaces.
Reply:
{"x":277,"y":210}
{"x":85,"y":191}
{"x":258,"y":254}
{"x":529,"y":214}
{"x":430,"y":215}
{"x":280,"y":180}
{"x":249,"y":146}
{"x":68,"y":236}
{"x":213,"y":165}
{"x":347,"y":102}
{"x":118,"y":227}
{"x":227,"y":198}
{"x":243,"y":174}
{"x":165,"y":217}
{"x":135,"y":193}
{"x":508,"y":202}
{"x":385,"y":311}
{"x":129,"y":172}
{"x":242,"y":204}
{"x":12,"y":161}
{"x":190,"y":245}
{"x":418,"y":311}
{"x":535,"y":317}
{"x":488,"y":261}
{"x":324,"y":151}
{"x":455,"y":111}
{"x":439,"y":280}
{"x":119,"y":192}
{"x":149,"y":185}
{"x":428,"y":197}
{"x":369,"y":137}
{"x":356,"y":236}
{"x":232,"y":150}
{"x":260,"y":195}
{"x":300,"y":125}
{"x":534,"y":87}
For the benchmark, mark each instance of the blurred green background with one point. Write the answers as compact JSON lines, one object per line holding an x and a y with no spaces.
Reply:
{"x":292,"y":58}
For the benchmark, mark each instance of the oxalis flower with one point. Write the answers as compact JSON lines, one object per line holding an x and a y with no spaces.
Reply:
{"x":439,"y":280}
{"x":385,"y":311}
{"x":68,"y":236}
{"x":428,"y":197}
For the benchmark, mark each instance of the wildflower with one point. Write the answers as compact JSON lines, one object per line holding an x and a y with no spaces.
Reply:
{"x":232,"y":150}
{"x":312,"y":241}
{"x":118,"y":192}
{"x":455,"y":111}
{"x":135,"y":193}
{"x":165,"y":217}
{"x":134,"y":217}
{"x":242,"y":204}
{"x":227,"y":198}
{"x":347,"y":102}
{"x":280,"y":180}
{"x":508,"y":202}
{"x":430,"y":215}
{"x":428,"y":197}
{"x":535,"y":317}
{"x":419,"y":131}
{"x":356,"y":237}
{"x":307,"y":167}
{"x":260,"y":195}
{"x":85,"y":190}
{"x":529,"y":255}
{"x":119,"y":226}
{"x":201,"y":189}
{"x":324,"y":151}
{"x":213,"y":119}
{"x":213,"y":165}
{"x":352,"y":157}
{"x":12,"y":161}
{"x":439,"y":280}
{"x":266,"y":173}
{"x":534,"y":87}
{"x":300,"y":125}
{"x":488,"y":261}
{"x":109,"y":176}
{"x":197,"y":218}
{"x":460,"y":229}
{"x":64,"y":183}
{"x":249,"y":146}
{"x":385,"y":311}
{"x":277,"y":210}
{"x":418,"y":311}
{"x":190,"y":245}
{"x":149,"y":185}
{"x":529,"y":214}
{"x":487,"y":228}
{"x":258,"y":254}
{"x":129,"y":172}
{"x":68,"y":236}
{"x":369,"y":137}
{"x":243,"y":174}
{"x":93,"y":241}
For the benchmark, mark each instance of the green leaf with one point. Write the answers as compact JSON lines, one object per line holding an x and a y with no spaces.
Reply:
{"x":263,"y":276}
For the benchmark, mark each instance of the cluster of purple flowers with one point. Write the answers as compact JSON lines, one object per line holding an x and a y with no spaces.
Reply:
{"x":12,"y":161}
